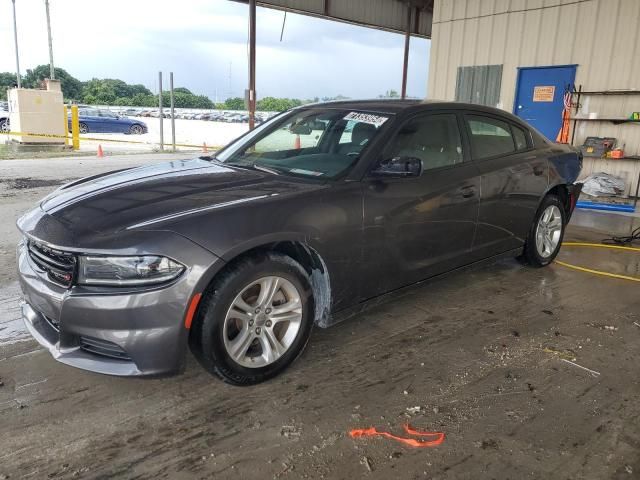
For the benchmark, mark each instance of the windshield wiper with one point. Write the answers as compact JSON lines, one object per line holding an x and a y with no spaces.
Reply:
{"x":253,"y":166}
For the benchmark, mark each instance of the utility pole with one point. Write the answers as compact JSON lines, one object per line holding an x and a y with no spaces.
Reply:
{"x":15,"y":39}
{"x":161,"y":110}
{"x":52,"y":74}
{"x":252,"y":64}
{"x":173,"y":116}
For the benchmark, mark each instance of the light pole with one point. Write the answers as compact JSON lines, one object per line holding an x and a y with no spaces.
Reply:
{"x":52,"y":74}
{"x":15,"y":39}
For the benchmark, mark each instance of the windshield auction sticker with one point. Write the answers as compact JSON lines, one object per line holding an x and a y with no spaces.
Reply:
{"x":305,"y":172}
{"x":376,"y":120}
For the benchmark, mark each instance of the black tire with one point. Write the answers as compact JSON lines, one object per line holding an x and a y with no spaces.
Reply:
{"x":531,"y":253}
{"x":83,"y":128}
{"x":136,"y":129}
{"x":206,"y":337}
{"x":5,"y":126}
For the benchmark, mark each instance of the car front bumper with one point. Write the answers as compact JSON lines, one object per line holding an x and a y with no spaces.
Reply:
{"x":122,"y":333}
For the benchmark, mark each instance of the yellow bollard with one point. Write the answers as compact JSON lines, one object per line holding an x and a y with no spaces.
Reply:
{"x":75,"y":127}
{"x":65,"y":111}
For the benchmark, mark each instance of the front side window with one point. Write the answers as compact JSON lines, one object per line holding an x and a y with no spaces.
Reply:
{"x":316,"y":142}
{"x":434,"y":139}
{"x":489,"y":137}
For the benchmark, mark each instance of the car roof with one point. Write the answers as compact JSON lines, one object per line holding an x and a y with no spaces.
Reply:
{"x":397,"y":106}
{"x":394,"y":106}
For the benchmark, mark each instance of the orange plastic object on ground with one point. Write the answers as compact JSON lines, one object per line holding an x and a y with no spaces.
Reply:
{"x":438,"y":437}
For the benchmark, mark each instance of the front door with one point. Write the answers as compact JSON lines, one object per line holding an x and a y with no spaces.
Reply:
{"x":539,"y":96}
{"x":420,"y":226}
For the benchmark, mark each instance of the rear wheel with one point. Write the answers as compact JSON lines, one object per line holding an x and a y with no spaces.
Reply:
{"x":255,"y":320}
{"x":546,"y":234}
{"x":84,"y":128}
{"x":5,"y":126}
{"x":136,"y":130}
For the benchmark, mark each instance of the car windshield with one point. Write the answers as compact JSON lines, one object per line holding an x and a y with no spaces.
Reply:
{"x":315,"y":142}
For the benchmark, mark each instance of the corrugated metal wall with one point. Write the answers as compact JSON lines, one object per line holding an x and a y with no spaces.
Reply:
{"x":601,"y":36}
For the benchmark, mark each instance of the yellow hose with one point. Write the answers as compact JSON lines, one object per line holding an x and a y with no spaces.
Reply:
{"x":598,"y":272}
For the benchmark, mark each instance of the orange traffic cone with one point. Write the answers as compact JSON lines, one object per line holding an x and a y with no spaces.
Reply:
{"x":204,"y":147}
{"x":296,"y":143}
{"x":100,"y":153}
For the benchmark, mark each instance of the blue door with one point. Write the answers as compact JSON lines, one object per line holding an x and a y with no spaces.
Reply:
{"x":539,"y":93}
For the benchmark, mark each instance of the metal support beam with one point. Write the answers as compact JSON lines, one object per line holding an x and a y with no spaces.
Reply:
{"x":405,"y":65}
{"x":252,"y":64}
{"x":15,"y":39}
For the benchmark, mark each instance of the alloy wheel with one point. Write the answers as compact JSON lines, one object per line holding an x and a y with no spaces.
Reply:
{"x":548,"y":231}
{"x":262,"y":322}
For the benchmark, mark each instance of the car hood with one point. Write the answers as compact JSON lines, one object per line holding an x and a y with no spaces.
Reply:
{"x":134,"y":198}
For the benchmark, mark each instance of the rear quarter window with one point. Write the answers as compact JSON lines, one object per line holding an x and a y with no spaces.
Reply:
{"x":520,"y":138}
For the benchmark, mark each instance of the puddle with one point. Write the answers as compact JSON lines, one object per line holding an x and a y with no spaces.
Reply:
{"x":621,"y":262}
{"x":12,"y":329}
{"x":25,"y":183}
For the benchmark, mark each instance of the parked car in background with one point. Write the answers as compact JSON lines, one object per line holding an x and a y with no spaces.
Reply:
{"x":4,"y":122}
{"x":94,"y":120}
{"x":240,"y":254}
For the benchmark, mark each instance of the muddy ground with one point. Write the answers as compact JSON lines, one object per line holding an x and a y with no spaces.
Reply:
{"x":479,"y":355}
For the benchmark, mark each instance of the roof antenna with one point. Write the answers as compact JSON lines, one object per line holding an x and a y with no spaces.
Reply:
{"x":284,"y":20}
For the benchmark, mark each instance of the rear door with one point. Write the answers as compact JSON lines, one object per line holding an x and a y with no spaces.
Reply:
{"x":513,"y":176}
{"x":91,"y":118}
{"x":111,"y":123}
{"x":417,"y":227}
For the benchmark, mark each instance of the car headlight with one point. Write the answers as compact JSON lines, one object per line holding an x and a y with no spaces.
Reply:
{"x":125,"y":271}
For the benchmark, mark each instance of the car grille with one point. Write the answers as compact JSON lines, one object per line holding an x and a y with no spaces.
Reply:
{"x":60,"y":266}
{"x":103,"y":347}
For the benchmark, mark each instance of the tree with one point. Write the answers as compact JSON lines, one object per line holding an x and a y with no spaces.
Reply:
{"x":182,"y":90}
{"x":71,"y":86}
{"x":235,"y":103}
{"x":272,"y":104}
{"x":390,"y":94}
{"x":7,"y":81}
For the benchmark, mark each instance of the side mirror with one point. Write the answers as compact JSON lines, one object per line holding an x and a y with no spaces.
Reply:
{"x":300,"y":129}
{"x":399,"y":167}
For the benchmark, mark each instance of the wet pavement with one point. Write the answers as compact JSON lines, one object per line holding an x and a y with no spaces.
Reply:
{"x":491,"y":356}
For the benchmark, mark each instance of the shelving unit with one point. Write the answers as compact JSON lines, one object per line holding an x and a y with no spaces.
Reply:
{"x":577,"y":96}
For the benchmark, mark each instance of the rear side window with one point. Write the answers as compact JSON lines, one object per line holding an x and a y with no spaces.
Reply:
{"x":520,"y":137}
{"x":489,"y":137}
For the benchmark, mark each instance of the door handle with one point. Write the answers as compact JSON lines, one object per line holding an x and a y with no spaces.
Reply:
{"x":468,"y":191}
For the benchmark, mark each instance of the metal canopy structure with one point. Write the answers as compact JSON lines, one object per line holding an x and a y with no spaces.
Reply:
{"x":389,"y":15}
{"x":408,"y":17}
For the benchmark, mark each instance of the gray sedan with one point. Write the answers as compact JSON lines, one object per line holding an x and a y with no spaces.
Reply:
{"x":300,"y":222}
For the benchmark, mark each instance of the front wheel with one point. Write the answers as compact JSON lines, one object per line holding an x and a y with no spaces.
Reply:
{"x":83,"y":128}
{"x":5,"y":126}
{"x":255,"y":319}
{"x":546,"y":234}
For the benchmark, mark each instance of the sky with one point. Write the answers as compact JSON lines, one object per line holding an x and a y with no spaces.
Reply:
{"x":204,"y":42}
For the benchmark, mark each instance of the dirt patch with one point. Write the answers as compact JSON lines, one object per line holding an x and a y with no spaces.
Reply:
{"x":26,"y":183}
